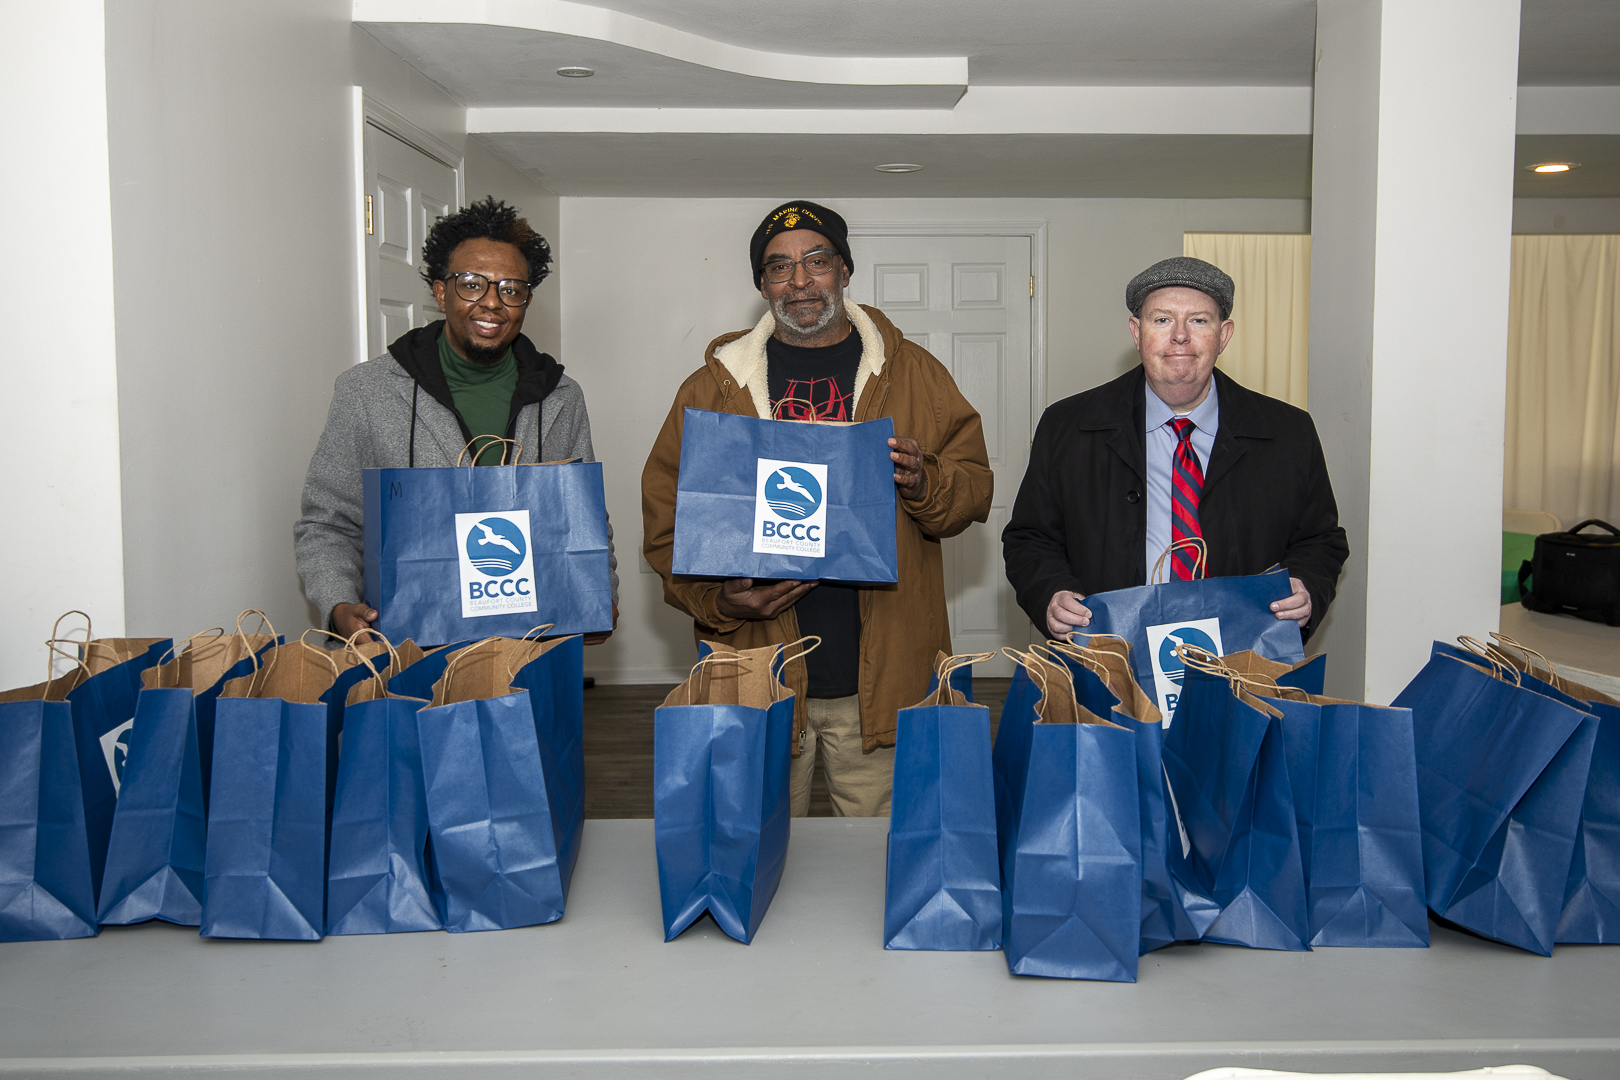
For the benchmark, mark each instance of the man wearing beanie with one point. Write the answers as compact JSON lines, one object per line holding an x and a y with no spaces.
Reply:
{"x":811,"y":356}
{"x":1172,"y":450}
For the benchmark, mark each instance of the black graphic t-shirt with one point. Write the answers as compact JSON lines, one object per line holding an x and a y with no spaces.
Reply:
{"x":820,"y":383}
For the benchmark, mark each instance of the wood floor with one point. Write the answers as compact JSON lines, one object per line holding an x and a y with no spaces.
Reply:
{"x":619,"y":744}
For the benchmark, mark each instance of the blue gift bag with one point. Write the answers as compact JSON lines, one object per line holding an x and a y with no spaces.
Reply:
{"x":1219,"y":615}
{"x":452,"y":554}
{"x":103,"y":708}
{"x":492,"y":810}
{"x":156,"y":850}
{"x":1353,"y":771}
{"x":1307,"y":675}
{"x":416,"y":672}
{"x":943,"y":883}
{"x":275,"y":758}
{"x":722,"y":743}
{"x":45,"y":885}
{"x":379,"y":879}
{"x":781,"y":499}
{"x":555,"y":680}
{"x":1502,"y":777}
{"x":1104,"y":685}
{"x":1228,"y":772}
{"x":1591,"y":914}
{"x":1072,"y":874}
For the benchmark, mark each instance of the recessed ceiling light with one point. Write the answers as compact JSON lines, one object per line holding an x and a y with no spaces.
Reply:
{"x":576,"y":72}
{"x":897,"y":167}
{"x":1555,"y":166}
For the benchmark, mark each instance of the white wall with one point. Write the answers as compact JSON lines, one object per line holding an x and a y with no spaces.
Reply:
{"x":631,"y":336}
{"x":231,"y":129}
{"x":60,"y":547}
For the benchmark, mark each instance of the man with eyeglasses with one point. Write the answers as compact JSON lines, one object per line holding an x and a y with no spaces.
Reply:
{"x":471,"y":375}
{"x":812,"y":356}
{"x":1172,"y":451}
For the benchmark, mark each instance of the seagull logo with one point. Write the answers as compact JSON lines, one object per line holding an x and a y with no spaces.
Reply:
{"x":1170,"y":663}
{"x":792,"y":493}
{"x":492,"y":537}
{"x":487,"y":542}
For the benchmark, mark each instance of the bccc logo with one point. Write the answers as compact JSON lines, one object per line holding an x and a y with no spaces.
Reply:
{"x":489,"y":590}
{"x":811,"y":533}
{"x":790,"y":508}
{"x":497,"y":570}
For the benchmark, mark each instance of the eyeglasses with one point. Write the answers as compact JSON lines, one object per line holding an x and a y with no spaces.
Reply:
{"x":513,"y":292}
{"x":816,"y":264}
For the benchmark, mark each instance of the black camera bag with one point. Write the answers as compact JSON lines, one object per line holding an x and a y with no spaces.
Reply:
{"x":1575,"y":575}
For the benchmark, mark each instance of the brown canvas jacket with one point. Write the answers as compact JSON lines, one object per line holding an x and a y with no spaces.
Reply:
{"x":903,"y":626}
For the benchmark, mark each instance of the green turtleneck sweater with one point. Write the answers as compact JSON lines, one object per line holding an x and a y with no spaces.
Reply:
{"x":483,"y":395}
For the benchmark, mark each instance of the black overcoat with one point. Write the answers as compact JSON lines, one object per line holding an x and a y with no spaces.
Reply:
{"x":1080,"y":520}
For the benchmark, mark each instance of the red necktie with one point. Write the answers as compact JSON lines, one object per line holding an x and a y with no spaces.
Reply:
{"x":1186,"y":483}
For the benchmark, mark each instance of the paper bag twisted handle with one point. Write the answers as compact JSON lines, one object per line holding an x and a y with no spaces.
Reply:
{"x":451,"y":665}
{"x":1503,"y":643}
{"x":1200,"y":561}
{"x":1499,"y":666}
{"x":534,"y":634}
{"x":944,"y":668}
{"x":1081,"y":654}
{"x":247,"y":646}
{"x":776,"y":410}
{"x":484,"y":442}
{"x":174,"y":651}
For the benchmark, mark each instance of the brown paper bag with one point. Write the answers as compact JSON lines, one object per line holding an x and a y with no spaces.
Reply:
{"x":729,"y":676}
{"x":1110,"y":657}
{"x":485,"y":669}
{"x":297,"y":672}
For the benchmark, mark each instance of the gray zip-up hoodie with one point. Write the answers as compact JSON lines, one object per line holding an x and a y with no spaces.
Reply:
{"x":393,"y":413}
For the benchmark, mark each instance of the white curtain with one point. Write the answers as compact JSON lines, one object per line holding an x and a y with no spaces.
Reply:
{"x":1563,"y":392}
{"x":1272,"y":307}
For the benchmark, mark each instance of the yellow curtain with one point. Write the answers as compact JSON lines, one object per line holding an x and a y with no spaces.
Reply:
{"x":1563,"y":391}
{"x":1272,"y":308}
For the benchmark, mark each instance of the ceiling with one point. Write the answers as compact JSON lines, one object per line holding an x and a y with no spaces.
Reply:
{"x":752,"y":75}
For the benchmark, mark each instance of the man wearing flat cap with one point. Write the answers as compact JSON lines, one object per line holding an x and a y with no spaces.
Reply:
{"x":1172,"y":450}
{"x":812,"y":356}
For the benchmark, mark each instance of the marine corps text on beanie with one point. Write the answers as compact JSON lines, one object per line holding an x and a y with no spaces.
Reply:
{"x":1197,"y":274}
{"x":799,"y":215}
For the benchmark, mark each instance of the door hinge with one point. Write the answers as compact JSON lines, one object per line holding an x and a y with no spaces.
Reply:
{"x":370,"y":230}
{"x":1031,"y":279}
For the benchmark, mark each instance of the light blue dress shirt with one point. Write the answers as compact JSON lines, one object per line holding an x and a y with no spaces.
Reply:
{"x":1161,"y":457}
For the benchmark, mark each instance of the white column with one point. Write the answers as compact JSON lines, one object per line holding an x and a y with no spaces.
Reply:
{"x":61,"y":540}
{"x":1411,"y":216}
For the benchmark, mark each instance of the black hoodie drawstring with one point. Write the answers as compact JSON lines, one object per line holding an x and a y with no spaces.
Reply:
{"x":416,"y":388}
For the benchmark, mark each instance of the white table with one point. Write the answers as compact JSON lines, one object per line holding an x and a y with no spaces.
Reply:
{"x":600,"y":994}
{"x":1587,"y":652}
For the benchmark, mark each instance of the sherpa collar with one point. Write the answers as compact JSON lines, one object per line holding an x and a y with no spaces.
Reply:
{"x":745,"y":357}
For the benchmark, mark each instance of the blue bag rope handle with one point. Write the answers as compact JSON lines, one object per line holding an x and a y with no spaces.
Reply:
{"x":1200,"y":561}
{"x":1500,"y":665}
{"x":484,"y":442}
{"x":1553,"y":679}
{"x":533,"y":635}
{"x":351,"y":647}
{"x":247,"y":647}
{"x":778,"y":659}
{"x":945,"y":666}
{"x":1033,"y":662}
{"x":172,"y":654}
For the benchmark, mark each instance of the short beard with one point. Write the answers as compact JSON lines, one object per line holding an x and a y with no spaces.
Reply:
{"x":479,"y":353}
{"x":830,"y":313}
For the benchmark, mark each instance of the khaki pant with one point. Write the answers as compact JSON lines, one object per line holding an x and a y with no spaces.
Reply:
{"x":859,"y":781}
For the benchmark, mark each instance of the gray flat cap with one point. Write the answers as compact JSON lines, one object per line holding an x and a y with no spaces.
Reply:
{"x":1182,"y":270}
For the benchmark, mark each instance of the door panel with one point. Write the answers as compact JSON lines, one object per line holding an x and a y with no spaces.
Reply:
{"x":966,"y":300}
{"x":409,"y":192}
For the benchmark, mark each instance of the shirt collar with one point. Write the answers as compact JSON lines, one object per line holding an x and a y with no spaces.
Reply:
{"x":1205,"y":417}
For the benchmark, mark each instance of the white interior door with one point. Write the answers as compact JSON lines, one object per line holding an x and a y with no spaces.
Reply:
{"x":409,"y":191}
{"x":966,"y":299}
